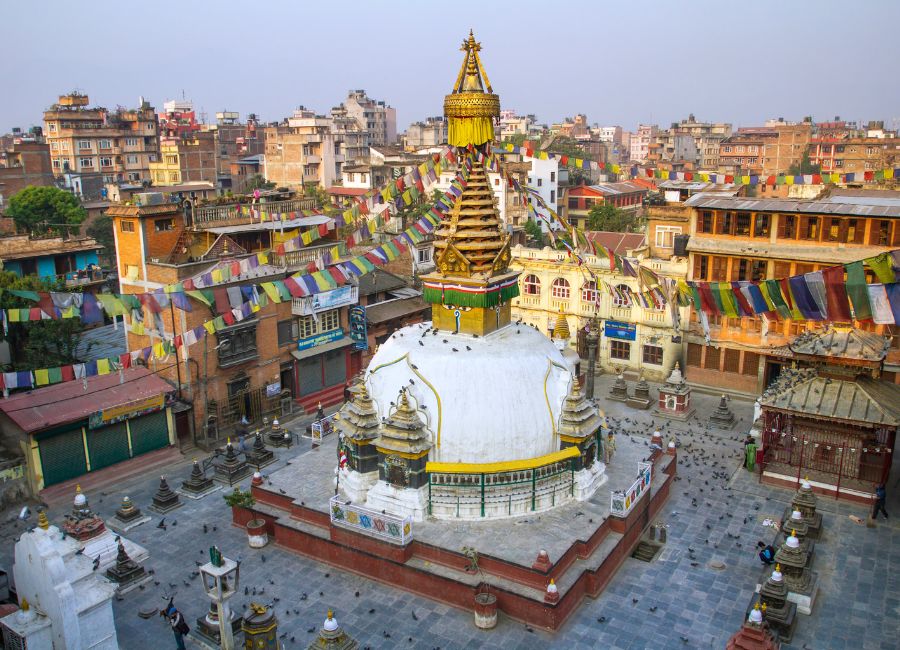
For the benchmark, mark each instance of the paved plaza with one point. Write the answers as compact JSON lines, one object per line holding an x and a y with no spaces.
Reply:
{"x":674,"y":602}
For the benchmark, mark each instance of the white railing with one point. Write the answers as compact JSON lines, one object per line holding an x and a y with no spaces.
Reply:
{"x":393,"y":529}
{"x":622,"y":502}
{"x":308,"y":305}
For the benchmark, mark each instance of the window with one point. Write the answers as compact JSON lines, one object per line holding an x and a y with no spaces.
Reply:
{"x":327,"y":321}
{"x":732,"y":360}
{"x":694,"y":353}
{"x":560,"y":289}
{"x":665,"y":236}
{"x":787,"y":226}
{"x":132,"y":159}
{"x":653,"y":354}
{"x":134,"y":176}
{"x":106,"y":162}
{"x":833,"y":229}
{"x":719,"y":269}
{"x":761,"y":225}
{"x":127,"y":226}
{"x":552,"y":177}
{"x":171,"y":159}
{"x":56,"y":163}
{"x":552,"y":196}
{"x":540,"y":182}
{"x":164,"y":225}
{"x":622,"y":297}
{"x":237,"y":344}
{"x":86,"y":162}
{"x":84,"y":144}
{"x":881,"y":233}
{"x":532,"y":285}
{"x":423,"y":255}
{"x":701,"y":267}
{"x":838,"y":163}
{"x":589,"y":292}
{"x":131,"y":142}
{"x":810,"y":228}
{"x":288,"y":332}
{"x":726,"y":149}
{"x":105,"y":144}
{"x":724,"y":223}
{"x":620,"y":350}
{"x":751,"y":364}
{"x":705,"y":224}
{"x":52,"y":127}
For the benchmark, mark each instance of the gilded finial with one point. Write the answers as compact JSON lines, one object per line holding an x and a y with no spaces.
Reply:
{"x":43,"y":523}
{"x":24,"y":605}
{"x":330,"y":614}
{"x":78,"y":488}
{"x":793,"y":532}
{"x":778,"y":568}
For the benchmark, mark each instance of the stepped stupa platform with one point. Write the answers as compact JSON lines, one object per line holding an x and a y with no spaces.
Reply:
{"x":584,"y":543}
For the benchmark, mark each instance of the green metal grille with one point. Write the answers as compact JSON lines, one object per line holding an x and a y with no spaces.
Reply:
{"x":108,"y":445}
{"x":149,"y":432}
{"x":62,"y":456}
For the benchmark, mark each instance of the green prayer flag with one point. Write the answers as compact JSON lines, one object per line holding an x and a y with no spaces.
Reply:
{"x":857,"y":292}
{"x":883,"y":267}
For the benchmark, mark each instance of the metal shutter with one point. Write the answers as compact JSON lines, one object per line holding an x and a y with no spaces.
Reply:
{"x":335,"y":367}
{"x":108,"y":445}
{"x":62,"y":456}
{"x":310,"y":373}
{"x":149,"y":432}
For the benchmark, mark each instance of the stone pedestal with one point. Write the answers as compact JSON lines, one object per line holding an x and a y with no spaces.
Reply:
{"x":230,"y":468}
{"x":275,"y":436}
{"x":675,"y":398}
{"x":259,"y":456}
{"x":722,"y":417}
{"x":641,"y":398}
{"x":542,"y":563}
{"x":207,"y":627}
{"x":82,"y":524}
{"x":332,"y":637}
{"x":619,"y":390}
{"x":197,"y":485}
{"x":753,"y":635}
{"x":165,"y":500}
{"x":805,"y":501}
{"x":806,"y":597}
{"x":126,"y":573}
{"x":778,"y":611}
{"x":128,"y":516}
{"x":551,"y":595}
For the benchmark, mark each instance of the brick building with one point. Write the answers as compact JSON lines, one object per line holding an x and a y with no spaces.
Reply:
{"x":853,"y":155}
{"x":93,"y":141}
{"x":24,"y":164}
{"x":744,"y":152}
{"x":624,"y":195}
{"x":735,"y":239}
{"x":186,"y":159}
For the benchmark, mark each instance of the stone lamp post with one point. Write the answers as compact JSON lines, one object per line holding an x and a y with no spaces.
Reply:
{"x":592,"y":338}
{"x":221,"y":578}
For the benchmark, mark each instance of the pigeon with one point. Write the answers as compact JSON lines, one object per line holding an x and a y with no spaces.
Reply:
{"x":454,"y":349}
{"x":422,"y":344}
{"x":262,"y":557}
{"x":415,"y":618}
{"x":601,"y":619}
{"x":468,"y":348}
{"x":205,"y":529}
{"x":372,"y":611}
{"x":162,"y":523}
{"x":96,"y":563}
{"x":654,"y":608}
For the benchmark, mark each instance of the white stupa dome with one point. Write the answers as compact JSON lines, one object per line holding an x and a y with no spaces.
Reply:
{"x":496,"y":398}
{"x":796,"y":515}
{"x":776,"y":575}
{"x":755,"y":616}
{"x":792,"y":541}
{"x":330,"y":624}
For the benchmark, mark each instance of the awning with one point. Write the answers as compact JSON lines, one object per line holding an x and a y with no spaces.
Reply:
{"x":321,"y":349}
{"x":390,"y":309}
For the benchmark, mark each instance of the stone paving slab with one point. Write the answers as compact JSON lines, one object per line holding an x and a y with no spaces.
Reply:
{"x":858,"y":606}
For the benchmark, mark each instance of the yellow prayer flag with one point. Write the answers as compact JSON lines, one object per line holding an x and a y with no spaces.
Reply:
{"x":664,"y":174}
{"x":102,"y":366}
{"x":745,"y":180}
{"x":788,"y":180}
{"x":372,"y":226}
{"x":42,"y":377}
{"x":159,"y":351}
{"x":835,"y":178}
{"x":209,"y":327}
{"x":888,"y":174}
{"x":217,"y":275}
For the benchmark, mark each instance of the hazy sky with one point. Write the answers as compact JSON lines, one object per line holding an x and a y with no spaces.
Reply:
{"x":619,"y":62}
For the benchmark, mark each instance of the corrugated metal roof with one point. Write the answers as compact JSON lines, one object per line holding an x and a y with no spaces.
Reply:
{"x":617,"y":242}
{"x":864,"y":400}
{"x":830,"y":205}
{"x":70,"y":402}
{"x":390,"y":309}
{"x":287,"y":224}
{"x":847,"y":344}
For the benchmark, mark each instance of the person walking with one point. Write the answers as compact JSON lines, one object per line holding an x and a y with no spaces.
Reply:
{"x":880,"y":496}
{"x":179,"y":626}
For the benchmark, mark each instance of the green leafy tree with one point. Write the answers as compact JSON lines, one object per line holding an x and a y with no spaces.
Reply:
{"x":317,"y":192}
{"x":38,"y":344}
{"x":101,"y":229}
{"x":517,"y":139}
{"x":611,"y":219}
{"x":45,"y":209}
{"x":534,"y":232}
{"x":805,"y":166}
{"x":258,"y":182}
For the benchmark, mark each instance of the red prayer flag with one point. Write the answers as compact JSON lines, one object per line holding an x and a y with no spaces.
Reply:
{"x":564,"y":160}
{"x":729,"y":178}
{"x":68,"y":372}
{"x":817,"y":179}
{"x":688,"y":176}
{"x":836,"y":294}
{"x":869,"y":176}
{"x":770,"y":180}
{"x":124,"y":359}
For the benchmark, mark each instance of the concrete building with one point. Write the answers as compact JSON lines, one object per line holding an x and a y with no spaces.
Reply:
{"x":301,"y":151}
{"x":609,"y":134}
{"x":512,"y":124}
{"x":74,"y":261}
{"x":186,"y":160}
{"x":640,"y":141}
{"x":234,"y":142}
{"x":625,"y":195}
{"x":374,"y":117}
{"x":430,"y":133}
{"x":93,"y":141}
{"x":740,"y":239}
{"x":787,"y":149}
{"x":178,"y":119}
{"x":853,"y":155}
{"x":744,"y":152}
{"x":633,"y":339}
{"x":24,"y":164}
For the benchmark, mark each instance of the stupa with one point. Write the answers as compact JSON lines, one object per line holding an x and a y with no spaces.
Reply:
{"x":82,"y":524}
{"x":333,"y":637}
{"x":165,"y":500}
{"x":802,"y":583}
{"x":722,"y":417}
{"x":618,"y":392}
{"x":260,"y":628}
{"x":488,"y":393}
{"x":641,"y":397}
{"x":358,"y":423}
{"x":675,"y":397}
{"x":126,"y":573}
{"x":579,"y":425}
{"x":128,"y":516}
{"x":805,"y":501}
{"x":796,"y":525}
{"x":779,"y":613}
{"x":230,"y":468}
{"x":259,"y":456}
{"x":198,"y":484}
{"x":754,"y":634}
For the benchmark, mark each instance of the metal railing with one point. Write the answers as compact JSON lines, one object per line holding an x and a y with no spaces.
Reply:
{"x":390,"y":528}
{"x":623,"y":502}
{"x":225,"y":215}
{"x":321,"y":428}
{"x":305,"y":255}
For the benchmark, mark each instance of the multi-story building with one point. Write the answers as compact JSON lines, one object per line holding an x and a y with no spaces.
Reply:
{"x":430,"y":133}
{"x":114,"y":146}
{"x":186,"y":160}
{"x":296,"y":349}
{"x":609,"y":134}
{"x":301,"y":151}
{"x":351,"y":139}
{"x":513,"y":124}
{"x":640,"y":141}
{"x":787,"y":149}
{"x":178,"y":119}
{"x":374,"y":117}
{"x":853,"y":155}
{"x":234,"y":141}
{"x":23,"y":164}
{"x":703,"y":152}
{"x":740,"y":239}
{"x":624,"y":195}
{"x":634,"y":338}
{"x":71,"y":260}
{"x":744,"y":152}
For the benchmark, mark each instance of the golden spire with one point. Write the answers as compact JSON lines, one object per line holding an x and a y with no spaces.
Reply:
{"x":468,"y":107}
{"x":470,"y":241}
{"x":43,"y":523}
{"x":561,"y":329}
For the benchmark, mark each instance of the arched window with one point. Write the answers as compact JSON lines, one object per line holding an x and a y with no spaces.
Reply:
{"x":532,"y":285}
{"x":589,"y":292}
{"x":622,"y":296}
{"x":560,"y":288}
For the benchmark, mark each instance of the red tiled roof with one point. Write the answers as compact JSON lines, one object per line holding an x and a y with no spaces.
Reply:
{"x":617,"y":242}
{"x":43,"y":408}
{"x":347,"y":191}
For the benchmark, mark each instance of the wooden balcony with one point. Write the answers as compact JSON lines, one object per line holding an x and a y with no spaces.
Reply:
{"x":302,"y":257}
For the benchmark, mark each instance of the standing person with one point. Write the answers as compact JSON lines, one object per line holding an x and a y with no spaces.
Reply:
{"x":320,"y":413}
{"x":347,"y":394}
{"x":610,"y":447}
{"x":179,"y":626}
{"x":880,"y":496}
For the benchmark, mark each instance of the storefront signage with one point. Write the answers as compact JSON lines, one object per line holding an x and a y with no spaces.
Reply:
{"x":358,"y":328}
{"x":126,"y":411}
{"x":346,"y":295}
{"x":319,"y":339}
{"x":617,"y":330}
{"x":272,"y":390}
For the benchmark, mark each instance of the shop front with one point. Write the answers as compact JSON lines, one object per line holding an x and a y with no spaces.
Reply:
{"x":323,"y":364}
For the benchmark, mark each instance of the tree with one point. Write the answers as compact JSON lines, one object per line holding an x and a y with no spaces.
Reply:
{"x":101,"y":229}
{"x":257,"y":182}
{"x":516,"y":139}
{"x":805,"y":166}
{"x":611,"y":219}
{"x":534,"y":231}
{"x":45,"y":209}
{"x":38,"y":344}
{"x":317,"y":192}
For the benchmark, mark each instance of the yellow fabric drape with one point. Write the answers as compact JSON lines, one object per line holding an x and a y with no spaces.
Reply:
{"x":470,"y":130}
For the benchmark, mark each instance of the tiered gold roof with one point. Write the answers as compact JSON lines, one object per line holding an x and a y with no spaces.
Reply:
{"x":561,"y":329}
{"x":359,"y":417}
{"x":470,"y":241}
{"x":579,"y":418}
{"x":403,"y":431}
{"x":469,"y":109}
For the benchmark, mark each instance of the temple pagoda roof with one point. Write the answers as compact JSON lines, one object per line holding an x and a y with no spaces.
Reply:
{"x":843,"y":343}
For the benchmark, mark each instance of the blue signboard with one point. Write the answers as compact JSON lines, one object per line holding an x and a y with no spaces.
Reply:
{"x":617,"y":330}
{"x":358,"y":327}
{"x":319,"y":339}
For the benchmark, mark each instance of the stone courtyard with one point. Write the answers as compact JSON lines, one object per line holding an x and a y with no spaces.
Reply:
{"x":673,"y":602}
